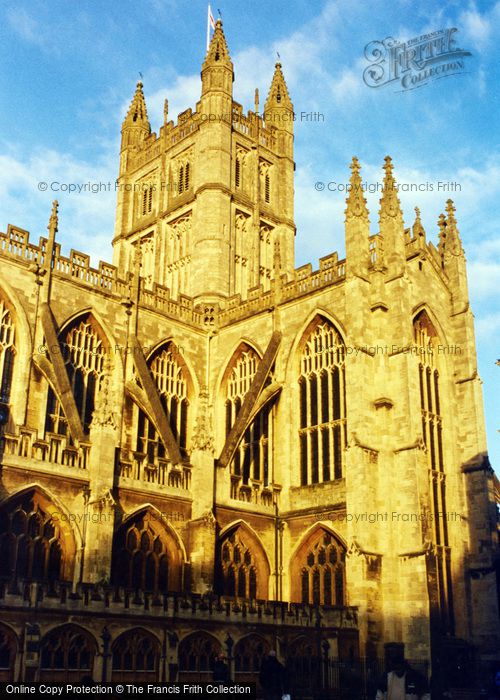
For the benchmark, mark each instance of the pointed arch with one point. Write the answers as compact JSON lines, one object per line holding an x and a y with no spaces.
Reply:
{"x":433,"y":318}
{"x":319,"y":313}
{"x":36,"y":539}
{"x":175,"y":386}
{"x":148,"y":553}
{"x":431,"y":368}
{"x":248,"y":654}
{"x":317,"y":568}
{"x":67,"y":652}
{"x":244,"y":343}
{"x":242,"y":562}
{"x":252,"y":458}
{"x":86,"y":352}
{"x":135,"y":656}
{"x":20,"y":353}
{"x":197,"y":652}
{"x":9,"y":645}
{"x":322,"y":424}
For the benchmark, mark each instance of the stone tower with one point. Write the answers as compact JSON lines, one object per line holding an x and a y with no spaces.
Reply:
{"x":207,"y":199}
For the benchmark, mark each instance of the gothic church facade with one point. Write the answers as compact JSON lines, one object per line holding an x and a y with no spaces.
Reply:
{"x":204,"y":448}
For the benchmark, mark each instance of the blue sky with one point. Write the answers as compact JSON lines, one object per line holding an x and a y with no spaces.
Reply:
{"x":69,"y":71}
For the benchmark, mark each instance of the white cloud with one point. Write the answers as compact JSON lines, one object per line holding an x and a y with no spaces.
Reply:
{"x":86,"y":216}
{"x":26,"y":27}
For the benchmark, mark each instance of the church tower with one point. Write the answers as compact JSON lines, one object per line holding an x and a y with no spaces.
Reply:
{"x":207,"y":200}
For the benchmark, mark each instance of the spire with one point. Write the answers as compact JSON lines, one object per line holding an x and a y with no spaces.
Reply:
{"x":137,"y":114}
{"x":278,"y":97}
{"x":218,"y":52}
{"x":389,"y":202}
{"x":356,"y":202}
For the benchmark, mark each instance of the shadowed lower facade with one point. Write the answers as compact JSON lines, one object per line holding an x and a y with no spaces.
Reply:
{"x":204,"y":448}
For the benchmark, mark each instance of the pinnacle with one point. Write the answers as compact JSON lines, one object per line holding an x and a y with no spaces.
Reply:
{"x":218,"y":51}
{"x":356,"y":202}
{"x":54,"y":219}
{"x":389,"y":202}
{"x":138,"y":113}
{"x":278,"y":92}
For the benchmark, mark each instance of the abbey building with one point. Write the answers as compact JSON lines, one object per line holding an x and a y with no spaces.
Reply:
{"x":204,"y":448}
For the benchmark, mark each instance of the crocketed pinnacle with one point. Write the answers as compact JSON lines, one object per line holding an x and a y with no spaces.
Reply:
{"x":453,"y":239}
{"x":389,"y":202}
{"x":54,"y":220}
{"x":278,"y":95}
{"x":356,"y":202}
{"x":418,"y":229}
{"x":137,"y":114}
{"x":218,"y":52}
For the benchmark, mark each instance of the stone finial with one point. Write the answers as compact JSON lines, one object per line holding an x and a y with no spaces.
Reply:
{"x":356,"y":202}
{"x":165,"y":111}
{"x":389,"y":202}
{"x":54,"y":220}
{"x":418,"y":228}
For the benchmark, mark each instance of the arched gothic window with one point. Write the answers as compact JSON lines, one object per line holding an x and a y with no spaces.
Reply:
{"x":238,"y":568}
{"x":140,"y":557}
{"x":136,"y":657}
{"x":7,"y":352}
{"x":249,"y":652}
{"x":30,"y":541}
{"x":196,"y":656}
{"x":84,"y":354}
{"x":319,"y":571}
{"x":253,"y":455}
{"x":8,"y":651}
{"x":439,"y":563}
{"x":67,"y":653}
{"x":303,"y":658}
{"x":322,"y":414}
{"x":170,"y":375}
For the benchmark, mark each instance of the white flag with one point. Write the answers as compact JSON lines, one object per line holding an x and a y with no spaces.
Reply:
{"x":210,"y":23}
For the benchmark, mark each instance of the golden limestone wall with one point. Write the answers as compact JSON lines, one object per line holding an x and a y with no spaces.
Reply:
{"x":271,"y":433}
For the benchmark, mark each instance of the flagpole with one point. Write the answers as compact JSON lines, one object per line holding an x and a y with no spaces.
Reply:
{"x":208,"y":27}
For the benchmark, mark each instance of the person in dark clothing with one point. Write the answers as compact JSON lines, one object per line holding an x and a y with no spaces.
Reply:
{"x":220,"y":672}
{"x":272,"y":677}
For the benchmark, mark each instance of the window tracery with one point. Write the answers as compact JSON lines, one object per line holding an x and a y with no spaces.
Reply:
{"x":322,"y":413}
